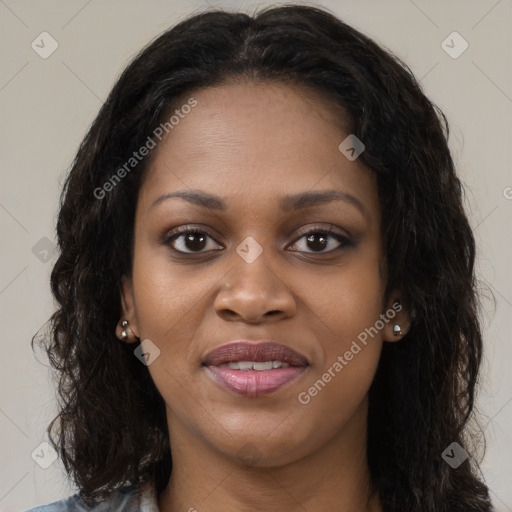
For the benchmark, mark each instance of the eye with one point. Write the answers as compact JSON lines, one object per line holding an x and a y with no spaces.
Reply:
{"x":321,"y":238}
{"x":188,"y":240}
{"x":193,"y":239}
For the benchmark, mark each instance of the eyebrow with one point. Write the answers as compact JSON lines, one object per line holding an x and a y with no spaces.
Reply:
{"x":287,"y":203}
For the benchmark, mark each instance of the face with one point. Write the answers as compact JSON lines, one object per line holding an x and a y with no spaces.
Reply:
{"x":276,"y":237}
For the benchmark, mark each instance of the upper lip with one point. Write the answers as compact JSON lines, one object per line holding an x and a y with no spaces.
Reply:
{"x":246,"y":350}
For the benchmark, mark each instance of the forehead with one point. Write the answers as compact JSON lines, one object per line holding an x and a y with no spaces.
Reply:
{"x":256,"y":142}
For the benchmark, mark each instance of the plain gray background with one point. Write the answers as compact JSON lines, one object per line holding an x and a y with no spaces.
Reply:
{"x":48,"y":103}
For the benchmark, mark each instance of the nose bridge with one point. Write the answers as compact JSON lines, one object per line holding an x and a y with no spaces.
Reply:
{"x":252,"y":265}
{"x":253,"y":288}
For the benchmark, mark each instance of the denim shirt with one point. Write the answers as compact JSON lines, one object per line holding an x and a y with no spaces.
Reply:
{"x":125,"y":500}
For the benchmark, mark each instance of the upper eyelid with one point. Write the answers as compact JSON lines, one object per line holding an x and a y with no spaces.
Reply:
{"x":193,"y":227}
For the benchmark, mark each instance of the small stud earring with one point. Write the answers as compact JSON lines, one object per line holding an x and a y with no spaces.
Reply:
{"x":397,"y":330}
{"x":124,"y":325}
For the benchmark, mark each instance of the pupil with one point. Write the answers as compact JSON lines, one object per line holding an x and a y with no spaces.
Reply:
{"x":321,"y":237}
{"x":190,"y":238}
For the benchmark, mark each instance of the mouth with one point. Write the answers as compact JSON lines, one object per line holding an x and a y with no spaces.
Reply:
{"x":254,"y":368}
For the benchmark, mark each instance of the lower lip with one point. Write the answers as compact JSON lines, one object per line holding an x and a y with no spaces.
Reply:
{"x":254,"y":382}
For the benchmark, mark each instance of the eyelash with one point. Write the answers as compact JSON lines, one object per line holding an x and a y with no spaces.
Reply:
{"x":328,"y":232}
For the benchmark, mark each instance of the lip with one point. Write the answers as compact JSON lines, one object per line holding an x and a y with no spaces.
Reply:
{"x":246,"y":350}
{"x":254,"y":382}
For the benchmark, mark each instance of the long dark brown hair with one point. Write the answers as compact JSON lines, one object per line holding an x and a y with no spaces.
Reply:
{"x":111,"y":430}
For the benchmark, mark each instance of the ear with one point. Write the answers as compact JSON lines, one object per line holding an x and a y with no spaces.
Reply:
{"x":128,"y":312}
{"x":397,"y":315}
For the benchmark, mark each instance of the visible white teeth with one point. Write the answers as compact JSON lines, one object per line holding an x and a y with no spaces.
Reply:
{"x":262,"y":366}
{"x":255,"y":365}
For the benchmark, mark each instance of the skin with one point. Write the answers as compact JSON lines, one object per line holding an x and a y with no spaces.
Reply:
{"x":251,"y":144}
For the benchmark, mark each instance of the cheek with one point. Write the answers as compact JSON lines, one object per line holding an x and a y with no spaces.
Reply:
{"x":166,"y":294}
{"x":350,"y":302}
{"x":351,"y":336}
{"x":337,"y":386}
{"x":170,"y":309}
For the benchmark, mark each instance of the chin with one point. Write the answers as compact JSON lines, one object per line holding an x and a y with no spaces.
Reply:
{"x":260,"y":450}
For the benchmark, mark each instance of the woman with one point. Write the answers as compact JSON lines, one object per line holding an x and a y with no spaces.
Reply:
{"x":266,"y":285}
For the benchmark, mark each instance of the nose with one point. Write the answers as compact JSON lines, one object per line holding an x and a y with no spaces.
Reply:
{"x":254,"y":293}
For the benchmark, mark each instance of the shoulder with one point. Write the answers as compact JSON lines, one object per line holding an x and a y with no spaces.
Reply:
{"x":126,"y":499}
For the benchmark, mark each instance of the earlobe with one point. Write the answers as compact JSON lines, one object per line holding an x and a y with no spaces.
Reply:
{"x":127,"y":328}
{"x":398,"y":319}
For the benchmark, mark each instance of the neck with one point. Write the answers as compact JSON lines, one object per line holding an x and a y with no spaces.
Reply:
{"x":334,"y":477}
